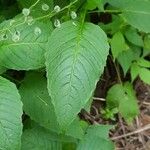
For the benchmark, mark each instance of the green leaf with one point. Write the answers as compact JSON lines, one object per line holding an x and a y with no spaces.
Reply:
{"x":125,"y":60}
{"x":10,"y":116}
{"x":37,"y":9}
{"x":40,"y":139}
{"x":61,"y":3}
{"x":134,"y":71}
{"x":27,"y":52}
{"x":118,"y":44}
{"x":35,"y":85}
{"x":123,"y":97}
{"x":133,"y":37}
{"x":145,"y":75}
{"x":146,"y":50}
{"x":96,"y":138}
{"x":114,"y":26}
{"x":2,"y":69}
{"x":92,"y":4}
{"x":75,"y":129}
{"x":136,"y":13}
{"x":74,"y":64}
{"x":69,"y":146}
{"x":147,"y":42}
{"x":143,"y":63}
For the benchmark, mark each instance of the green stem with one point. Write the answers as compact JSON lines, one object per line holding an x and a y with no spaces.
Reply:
{"x":50,"y":15}
{"x":118,"y":73}
{"x":34,"y":4}
{"x":106,"y":11}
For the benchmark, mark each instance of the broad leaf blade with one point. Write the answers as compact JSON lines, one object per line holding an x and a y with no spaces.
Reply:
{"x":75,"y":60}
{"x":123,"y":97}
{"x":136,"y":13}
{"x":35,"y":85}
{"x":96,"y":139}
{"x":10,"y":116}
{"x":40,"y":139}
{"x":34,"y":94}
{"x":28,"y":52}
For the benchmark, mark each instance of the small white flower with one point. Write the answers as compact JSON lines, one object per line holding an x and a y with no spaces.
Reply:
{"x":73,"y":14}
{"x":45,"y":7}
{"x":57,"y":8}
{"x":26,"y":12}
{"x":37,"y":31}
{"x":57,"y":23}
{"x":16,"y":36}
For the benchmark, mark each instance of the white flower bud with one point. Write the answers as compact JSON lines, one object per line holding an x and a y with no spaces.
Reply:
{"x":57,"y":8}
{"x":37,"y":31}
{"x":45,"y":7}
{"x":73,"y":14}
{"x":57,"y":23}
{"x":26,"y":12}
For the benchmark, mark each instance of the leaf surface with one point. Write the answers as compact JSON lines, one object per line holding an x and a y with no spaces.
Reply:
{"x":10,"y":116}
{"x":35,"y":85}
{"x":136,"y":13}
{"x":40,"y":139}
{"x":28,"y":52}
{"x":123,"y":97}
{"x":118,"y":44}
{"x":96,"y":139}
{"x":75,"y":60}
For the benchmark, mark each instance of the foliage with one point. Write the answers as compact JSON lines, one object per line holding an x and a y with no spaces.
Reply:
{"x":62,"y":55}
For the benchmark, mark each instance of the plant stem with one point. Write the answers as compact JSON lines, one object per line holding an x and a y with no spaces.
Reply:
{"x":106,"y":11}
{"x":118,"y":73}
{"x":50,"y":15}
{"x":34,"y":4}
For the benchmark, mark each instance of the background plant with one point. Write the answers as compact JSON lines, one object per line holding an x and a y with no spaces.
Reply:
{"x":61,"y":55}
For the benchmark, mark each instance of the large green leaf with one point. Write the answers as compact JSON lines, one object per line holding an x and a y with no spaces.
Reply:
{"x":40,"y":139}
{"x":75,"y":60}
{"x":136,"y":13}
{"x":96,"y":138}
{"x":10,"y":116}
{"x":34,"y":94}
{"x":123,"y":97}
{"x":35,"y":85}
{"x":27,"y":52}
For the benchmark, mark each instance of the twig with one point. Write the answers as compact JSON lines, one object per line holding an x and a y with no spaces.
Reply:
{"x":147,"y":127}
{"x":146,"y":103}
{"x":99,"y":99}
